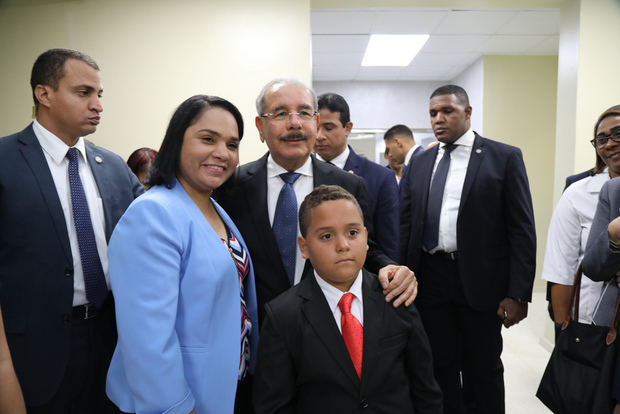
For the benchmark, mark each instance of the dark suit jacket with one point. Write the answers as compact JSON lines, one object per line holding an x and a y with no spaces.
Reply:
{"x":576,"y":177}
{"x":244,"y":198}
{"x":36,"y":265}
{"x":403,"y":180}
{"x":382,"y":201}
{"x":304,"y":366}
{"x":601,"y":263}
{"x":496,"y":238}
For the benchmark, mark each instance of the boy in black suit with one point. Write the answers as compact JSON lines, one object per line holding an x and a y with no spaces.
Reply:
{"x":332,"y":343}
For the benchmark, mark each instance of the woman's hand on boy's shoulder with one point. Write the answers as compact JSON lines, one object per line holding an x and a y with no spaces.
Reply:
{"x":398,"y":282}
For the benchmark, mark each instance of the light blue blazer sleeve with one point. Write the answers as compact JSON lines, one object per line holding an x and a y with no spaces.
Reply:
{"x":178,"y":309}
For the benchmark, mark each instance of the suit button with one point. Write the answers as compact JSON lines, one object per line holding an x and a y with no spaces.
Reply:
{"x":68,"y":272}
{"x":67,"y":318}
{"x":364,"y":404}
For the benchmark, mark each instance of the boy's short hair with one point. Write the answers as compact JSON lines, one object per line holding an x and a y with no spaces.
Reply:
{"x":317,"y":197}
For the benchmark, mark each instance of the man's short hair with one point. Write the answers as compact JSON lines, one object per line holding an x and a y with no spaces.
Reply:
{"x":335,"y":103}
{"x":49,"y":68}
{"x":260,"y":100}
{"x":398,"y":130}
{"x":455,"y":90}
{"x":317,"y":197}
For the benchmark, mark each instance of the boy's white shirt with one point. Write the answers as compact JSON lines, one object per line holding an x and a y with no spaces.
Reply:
{"x":333,"y":294}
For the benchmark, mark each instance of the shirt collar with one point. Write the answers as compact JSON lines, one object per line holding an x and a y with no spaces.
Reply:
{"x":54,"y":146}
{"x":465,"y":140}
{"x":274,"y":170}
{"x":340,"y":160}
{"x":333,"y":294}
{"x":410,"y":153}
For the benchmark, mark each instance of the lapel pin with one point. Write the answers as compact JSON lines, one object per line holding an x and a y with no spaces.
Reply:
{"x":351,"y":171}
{"x":98,"y":159}
{"x":478,"y":151}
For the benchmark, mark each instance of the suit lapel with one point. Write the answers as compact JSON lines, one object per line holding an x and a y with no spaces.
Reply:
{"x":34,"y":157}
{"x":425,"y":172}
{"x":255,"y":189}
{"x":96,"y":161}
{"x":319,"y":316}
{"x":353,"y":162}
{"x":475,"y":160}
{"x":374,"y":308}
{"x":319,"y":172}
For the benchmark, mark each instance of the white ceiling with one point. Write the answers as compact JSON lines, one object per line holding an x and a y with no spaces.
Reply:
{"x":458,"y":38}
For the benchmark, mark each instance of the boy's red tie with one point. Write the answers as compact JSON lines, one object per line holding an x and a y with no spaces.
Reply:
{"x":352,"y":332}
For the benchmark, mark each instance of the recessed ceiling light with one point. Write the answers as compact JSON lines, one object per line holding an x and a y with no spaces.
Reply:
{"x":392,"y":50}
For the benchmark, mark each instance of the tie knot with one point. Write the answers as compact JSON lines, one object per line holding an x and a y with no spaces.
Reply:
{"x":289,"y":177}
{"x":345,"y":302}
{"x":72,"y":154}
{"x":449,"y":148}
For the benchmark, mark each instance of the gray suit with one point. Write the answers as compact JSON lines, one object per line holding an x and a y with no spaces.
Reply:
{"x":600,"y":263}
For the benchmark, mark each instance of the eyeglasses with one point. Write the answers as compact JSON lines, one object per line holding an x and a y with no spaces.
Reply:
{"x":601,"y":140}
{"x":285,"y":116}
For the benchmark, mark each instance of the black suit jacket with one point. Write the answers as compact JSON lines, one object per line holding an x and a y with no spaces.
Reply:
{"x":382,"y":201}
{"x":403,"y":180}
{"x":36,"y":265}
{"x":304,"y":366}
{"x":244,"y":197}
{"x":496,"y":237}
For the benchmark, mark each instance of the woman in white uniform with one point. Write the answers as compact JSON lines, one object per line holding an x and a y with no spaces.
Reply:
{"x":570,"y":225}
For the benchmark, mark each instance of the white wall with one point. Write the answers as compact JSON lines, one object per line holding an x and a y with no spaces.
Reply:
{"x":383,"y":104}
{"x":155,"y":54}
{"x":471,"y":79}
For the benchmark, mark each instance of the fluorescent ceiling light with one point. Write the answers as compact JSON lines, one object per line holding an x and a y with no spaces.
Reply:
{"x":392,"y":50}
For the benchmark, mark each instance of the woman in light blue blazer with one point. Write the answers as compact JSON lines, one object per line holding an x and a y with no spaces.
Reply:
{"x":181,"y":275}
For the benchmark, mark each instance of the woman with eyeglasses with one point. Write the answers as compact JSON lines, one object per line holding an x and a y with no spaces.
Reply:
{"x":181,"y":275}
{"x":571,"y":221}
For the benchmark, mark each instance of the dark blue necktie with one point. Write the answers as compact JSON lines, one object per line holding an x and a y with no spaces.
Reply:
{"x":94,"y":280}
{"x":285,"y":224}
{"x":435,"y":197}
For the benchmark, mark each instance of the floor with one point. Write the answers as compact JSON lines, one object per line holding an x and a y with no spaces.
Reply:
{"x":526,"y":352}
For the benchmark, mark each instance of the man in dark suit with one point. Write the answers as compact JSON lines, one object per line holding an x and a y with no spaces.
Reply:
{"x":401,"y":148}
{"x":467,"y":230}
{"x":332,"y":343}
{"x":331,"y":146}
{"x":58,"y":315}
{"x":287,"y":122}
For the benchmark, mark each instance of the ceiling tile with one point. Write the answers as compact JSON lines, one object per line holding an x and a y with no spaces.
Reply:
{"x":342,"y":21}
{"x":443,"y":59}
{"x":458,"y":38}
{"x":337,"y":58}
{"x":474,"y":22}
{"x":407,"y":21}
{"x":378,"y":73}
{"x":548,"y":47}
{"x":510,"y":45}
{"x":334,"y":72}
{"x":454,"y":43}
{"x":530,"y":22}
{"x":339,"y":43}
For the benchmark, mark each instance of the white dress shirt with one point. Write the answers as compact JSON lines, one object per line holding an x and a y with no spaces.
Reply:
{"x":55,"y":151}
{"x":333,"y":295}
{"x":410,"y":153}
{"x":303,"y":186}
{"x":459,"y":159}
{"x":567,"y":237}
{"x":340,"y":160}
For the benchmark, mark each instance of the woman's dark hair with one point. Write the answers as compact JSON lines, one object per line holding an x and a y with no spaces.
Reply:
{"x":166,"y":165}
{"x":141,"y":158}
{"x":611,"y":111}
